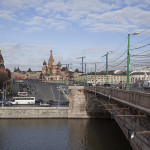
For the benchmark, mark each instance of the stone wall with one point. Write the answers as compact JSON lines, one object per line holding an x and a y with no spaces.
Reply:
{"x":77,"y":102}
{"x":33,"y":112}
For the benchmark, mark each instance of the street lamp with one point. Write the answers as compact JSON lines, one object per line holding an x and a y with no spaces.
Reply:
{"x":128,"y":56}
{"x":107,"y":65}
{"x":4,"y":92}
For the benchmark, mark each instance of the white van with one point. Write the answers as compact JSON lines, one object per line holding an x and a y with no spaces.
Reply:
{"x":146,"y":84}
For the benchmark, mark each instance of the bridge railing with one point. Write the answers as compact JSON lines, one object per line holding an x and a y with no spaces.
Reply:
{"x":138,"y":98}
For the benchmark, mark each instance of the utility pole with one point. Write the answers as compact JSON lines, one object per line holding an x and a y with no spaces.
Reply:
{"x":107,"y":68}
{"x":87,"y":77}
{"x":95,"y":74}
{"x":82,"y":61}
{"x":128,"y":57}
{"x":85,"y":67}
{"x":139,"y":79}
{"x":91,"y":76}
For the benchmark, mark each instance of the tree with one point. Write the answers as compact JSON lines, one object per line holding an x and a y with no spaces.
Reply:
{"x":4,"y":77}
{"x":77,"y":70}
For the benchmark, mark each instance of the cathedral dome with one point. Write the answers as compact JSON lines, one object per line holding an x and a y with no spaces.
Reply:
{"x":54,"y":63}
{"x":59,"y":64}
{"x":44,"y":63}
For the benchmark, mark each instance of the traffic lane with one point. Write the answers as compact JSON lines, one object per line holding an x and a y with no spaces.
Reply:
{"x":43,"y":90}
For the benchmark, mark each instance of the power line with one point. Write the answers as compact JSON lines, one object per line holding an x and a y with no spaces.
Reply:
{"x":141,"y":46}
{"x":144,"y":30}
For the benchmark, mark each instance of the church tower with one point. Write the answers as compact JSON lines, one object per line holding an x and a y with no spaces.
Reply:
{"x":59,"y":68}
{"x":2,"y":67}
{"x":50,"y":62}
{"x":44,"y":69}
{"x":54,"y":71}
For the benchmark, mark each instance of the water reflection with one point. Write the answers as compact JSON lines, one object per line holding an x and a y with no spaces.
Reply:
{"x":61,"y":134}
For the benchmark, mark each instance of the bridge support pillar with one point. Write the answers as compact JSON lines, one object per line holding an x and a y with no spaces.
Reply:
{"x":77,"y":103}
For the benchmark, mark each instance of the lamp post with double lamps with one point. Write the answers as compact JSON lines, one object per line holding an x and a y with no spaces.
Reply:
{"x":128,"y":57}
{"x":107,"y":65}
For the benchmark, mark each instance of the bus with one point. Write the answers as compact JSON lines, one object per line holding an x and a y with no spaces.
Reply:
{"x":23,"y":100}
{"x":22,"y":94}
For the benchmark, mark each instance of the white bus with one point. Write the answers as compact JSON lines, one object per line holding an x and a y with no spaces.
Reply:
{"x":23,"y":100}
{"x":22,"y":94}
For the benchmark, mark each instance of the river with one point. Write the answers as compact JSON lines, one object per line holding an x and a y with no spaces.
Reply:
{"x":61,"y":134}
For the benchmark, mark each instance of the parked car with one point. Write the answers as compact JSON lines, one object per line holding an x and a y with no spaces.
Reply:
{"x":7,"y":103}
{"x":49,"y":102}
{"x":38,"y":100}
{"x":146,"y":84}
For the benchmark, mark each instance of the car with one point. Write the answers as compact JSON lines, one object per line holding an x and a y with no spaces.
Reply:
{"x":7,"y":103}
{"x":38,"y":100}
{"x":49,"y":102}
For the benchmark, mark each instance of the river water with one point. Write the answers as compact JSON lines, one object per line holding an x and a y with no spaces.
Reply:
{"x":61,"y":134}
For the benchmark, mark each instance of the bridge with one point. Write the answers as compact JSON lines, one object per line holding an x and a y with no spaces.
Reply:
{"x":130,"y":109}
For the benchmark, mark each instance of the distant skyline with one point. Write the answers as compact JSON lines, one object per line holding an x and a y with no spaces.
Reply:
{"x":71,"y":28}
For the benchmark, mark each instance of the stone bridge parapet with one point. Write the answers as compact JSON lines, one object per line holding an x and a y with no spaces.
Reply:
{"x":139,"y":100}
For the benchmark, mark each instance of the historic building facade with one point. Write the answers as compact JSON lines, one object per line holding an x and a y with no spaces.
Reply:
{"x":17,"y":74}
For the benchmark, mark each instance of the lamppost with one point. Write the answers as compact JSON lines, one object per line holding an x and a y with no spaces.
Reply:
{"x":59,"y":97}
{"x":107,"y":65}
{"x":128,"y":57}
{"x":139,"y":79}
{"x":95,"y":74}
{"x":4,"y":92}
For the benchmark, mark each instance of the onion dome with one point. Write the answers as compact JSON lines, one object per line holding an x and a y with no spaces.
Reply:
{"x":54,"y":63}
{"x":59,"y":64}
{"x":44,"y":63}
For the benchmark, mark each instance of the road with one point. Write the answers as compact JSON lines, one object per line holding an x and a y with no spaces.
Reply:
{"x":39,"y":90}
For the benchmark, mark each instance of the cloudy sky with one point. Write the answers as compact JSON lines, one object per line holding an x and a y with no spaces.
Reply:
{"x":29,"y":29}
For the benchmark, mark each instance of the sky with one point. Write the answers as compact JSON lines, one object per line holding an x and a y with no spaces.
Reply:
{"x":72,"y":29}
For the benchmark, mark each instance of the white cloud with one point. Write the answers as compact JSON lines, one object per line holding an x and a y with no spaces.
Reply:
{"x":20,"y":54}
{"x":36,"y":20}
{"x":20,"y":4}
{"x":33,"y":29}
{"x":33,"y":55}
{"x":120,"y":20}
{"x":7,"y":14}
{"x":62,"y":14}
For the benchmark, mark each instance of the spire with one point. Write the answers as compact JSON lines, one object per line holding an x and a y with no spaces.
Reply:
{"x":51,"y":54}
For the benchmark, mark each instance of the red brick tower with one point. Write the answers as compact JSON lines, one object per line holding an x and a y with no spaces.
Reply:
{"x":50,"y":62}
{"x":2,"y":67}
{"x":54,"y":71}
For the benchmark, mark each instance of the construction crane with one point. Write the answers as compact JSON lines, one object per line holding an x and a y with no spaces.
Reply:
{"x":85,"y":66}
{"x":82,"y":61}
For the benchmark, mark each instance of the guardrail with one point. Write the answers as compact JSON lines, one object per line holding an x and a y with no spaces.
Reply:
{"x":135,"y":97}
{"x":66,"y":96}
